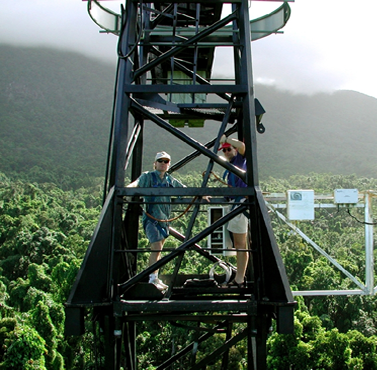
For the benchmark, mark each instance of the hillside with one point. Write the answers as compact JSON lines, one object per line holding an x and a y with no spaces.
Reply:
{"x":55,"y":114}
{"x":332,"y":133}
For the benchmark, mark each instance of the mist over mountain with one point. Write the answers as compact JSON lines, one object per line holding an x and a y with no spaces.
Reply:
{"x":55,"y":116}
{"x":332,"y":133}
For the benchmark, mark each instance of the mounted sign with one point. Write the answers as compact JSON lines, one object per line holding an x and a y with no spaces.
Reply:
{"x":300,"y":205}
{"x":346,"y":196}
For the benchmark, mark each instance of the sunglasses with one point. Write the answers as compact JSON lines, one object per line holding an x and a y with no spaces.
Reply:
{"x":227,"y":149}
{"x":163,"y":160}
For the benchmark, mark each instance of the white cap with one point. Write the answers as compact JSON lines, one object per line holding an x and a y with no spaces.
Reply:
{"x":163,"y":155}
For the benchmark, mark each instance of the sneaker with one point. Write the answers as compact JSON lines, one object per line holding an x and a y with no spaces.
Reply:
{"x":159,"y":284}
{"x":234,"y":284}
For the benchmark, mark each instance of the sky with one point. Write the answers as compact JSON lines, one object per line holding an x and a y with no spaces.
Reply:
{"x":327,"y":45}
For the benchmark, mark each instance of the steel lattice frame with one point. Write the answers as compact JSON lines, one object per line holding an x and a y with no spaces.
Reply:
{"x":152,"y":47}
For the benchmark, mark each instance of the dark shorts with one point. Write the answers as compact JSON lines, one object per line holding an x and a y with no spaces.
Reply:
{"x":153,"y":232}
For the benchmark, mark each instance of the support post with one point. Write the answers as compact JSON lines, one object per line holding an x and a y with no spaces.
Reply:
{"x":369,"y":260}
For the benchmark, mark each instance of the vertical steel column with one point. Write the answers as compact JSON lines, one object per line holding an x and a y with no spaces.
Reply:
{"x":248,"y":107}
{"x":127,"y":50}
{"x":127,"y":41}
{"x":369,"y":260}
{"x":247,"y":132}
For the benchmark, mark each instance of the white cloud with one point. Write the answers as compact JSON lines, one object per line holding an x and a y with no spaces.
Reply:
{"x":326,"y":45}
{"x":59,"y":24}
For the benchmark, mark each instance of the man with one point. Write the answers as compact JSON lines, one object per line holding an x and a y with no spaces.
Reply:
{"x":234,"y":151}
{"x":157,"y":209}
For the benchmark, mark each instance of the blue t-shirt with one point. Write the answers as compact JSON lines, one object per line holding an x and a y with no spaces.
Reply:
{"x":234,"y":181}
{"x":153,"y":207}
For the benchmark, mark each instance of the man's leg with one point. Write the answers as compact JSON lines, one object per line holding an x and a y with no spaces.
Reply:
{"x":156,"y":252}
{"x":239,"y":241}
{"x":154,"y":257}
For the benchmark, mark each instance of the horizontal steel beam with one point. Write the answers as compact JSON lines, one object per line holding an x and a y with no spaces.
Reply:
{"x":194,"y":318}
{"x":176,"y":89}
{"x":179,"y":192}
{"x":185,"y":306}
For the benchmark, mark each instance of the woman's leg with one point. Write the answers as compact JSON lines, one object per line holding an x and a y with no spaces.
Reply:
{"x":239,"y":241}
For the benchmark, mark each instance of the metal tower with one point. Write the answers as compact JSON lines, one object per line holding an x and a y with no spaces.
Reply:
{"x":166,"y":52}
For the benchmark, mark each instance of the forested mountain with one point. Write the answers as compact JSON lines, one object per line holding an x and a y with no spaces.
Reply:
{"x":55,"y":112}
{"x":55,"y":115}
{"x":45,"y":231}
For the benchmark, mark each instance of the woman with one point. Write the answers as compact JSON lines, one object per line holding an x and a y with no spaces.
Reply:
{"x":234,"y":151}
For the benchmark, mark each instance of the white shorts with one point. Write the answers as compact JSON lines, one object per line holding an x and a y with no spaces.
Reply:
{"x":239,"y":223}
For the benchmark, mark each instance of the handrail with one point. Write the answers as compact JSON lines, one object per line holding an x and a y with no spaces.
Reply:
{"x":104,"y":18}
{"x":260,"y":27}
{"x":270,"y":23}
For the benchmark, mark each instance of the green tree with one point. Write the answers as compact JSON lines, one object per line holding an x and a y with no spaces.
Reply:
{"x":24,"y":349}
{"x":364,"y":349}
{"x":331,"y":351}
{"x":41,"y":320}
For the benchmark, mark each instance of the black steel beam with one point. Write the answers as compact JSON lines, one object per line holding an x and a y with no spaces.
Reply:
{"x":200,"y":89}
{"x":188,"y":192}
{"x":214,"y":356}
{"x":185,"y":306}
{"x":187,"y":244}
{"x":185,"y":317}
{"x":188,"y":140}
{"x":185,"y":350}
{"x":92,"y":281}
{"x":183,"y":45}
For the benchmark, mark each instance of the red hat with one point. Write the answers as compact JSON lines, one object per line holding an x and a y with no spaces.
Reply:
{"x":225,"y":145}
